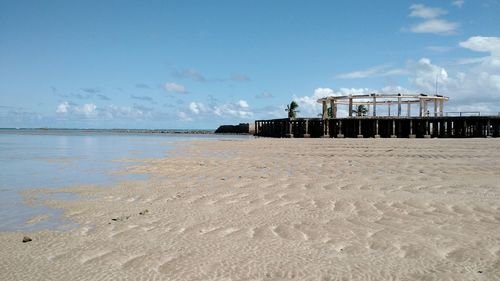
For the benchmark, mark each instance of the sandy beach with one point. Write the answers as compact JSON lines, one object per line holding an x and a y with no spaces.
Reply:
{"x":281,"y":209}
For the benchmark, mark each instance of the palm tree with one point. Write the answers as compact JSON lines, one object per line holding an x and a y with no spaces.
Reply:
{"x":360,"y":110}
{"x":292,"y":109}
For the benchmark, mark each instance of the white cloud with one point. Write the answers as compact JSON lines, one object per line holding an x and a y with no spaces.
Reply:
{"x":87,"y":110}
{"x":126,"y":112}
{"x":426,"y":74}
{"x":243,"y":104}
{"x":240,"y":109}
{"x":175,"y":88}
{"x":422,"y":11}
{"x":436,"y":26}
{"x":184,"y":117}
{"x":483,"y":44}
{"x":458,"y":3}
{"x":464,"y":61}
{"x":376,"y":71}
{"x":92,"y":111}
{"x":63,"y":107}
{"x":491,"y":45}
{"x":196,"y":107}
{"x":432,"y":23}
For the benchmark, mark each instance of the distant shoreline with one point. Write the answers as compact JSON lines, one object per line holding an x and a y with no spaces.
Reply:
{"x":124,"y":131}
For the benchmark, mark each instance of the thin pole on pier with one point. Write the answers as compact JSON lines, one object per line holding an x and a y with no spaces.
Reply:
{"x":350,"y":105}
{"x":374,"y":105}
{"x":399,"y":105}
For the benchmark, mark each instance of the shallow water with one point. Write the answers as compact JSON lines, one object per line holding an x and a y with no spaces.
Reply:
{"x":59,"y":158}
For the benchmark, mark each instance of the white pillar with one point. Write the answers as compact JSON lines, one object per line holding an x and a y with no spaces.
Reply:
{"x":350,"y":106}
{"x":325,"y":110}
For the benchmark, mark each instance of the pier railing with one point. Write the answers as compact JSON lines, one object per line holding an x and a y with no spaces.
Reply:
{"x":381,"y":127}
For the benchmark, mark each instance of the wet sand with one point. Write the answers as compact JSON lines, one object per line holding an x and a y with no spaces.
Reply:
{"x":281,"y":209}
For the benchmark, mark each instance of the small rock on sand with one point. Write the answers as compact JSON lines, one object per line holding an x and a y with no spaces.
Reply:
{"x":121,"y":218}
{"x":26,"y":239}
{"x":144,"y":212}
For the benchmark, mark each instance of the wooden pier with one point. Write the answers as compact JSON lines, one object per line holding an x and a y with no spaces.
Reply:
{"x":381,"y":127}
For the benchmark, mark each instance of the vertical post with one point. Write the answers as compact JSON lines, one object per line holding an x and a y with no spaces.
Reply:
{"x":421,"y":108}
{"x":389,"y":108}
{"x":340,"y":135}
{"x":441,"y":104}
{"x":376,"y":129}
{"x":290,"y":128}
{"x":465,"y":128}
{"x":306,"y":133}
{"x":350,"y":105}
{"x":427,"y":136}
{"x":393,"y":129}
{"x":374,"y":105}
{"x":411,"y":136}
{"x":360,"y":135}
{"x":488,"y":130}
{"x":325,"y":110}
{"x":326,"y":128}
{"x":425,"y":109}
{"x":368,"y":110}
{"x":334,"y":110}
{"x":332,"y":105}
{"x":435,"y":107}
{"x":399,"y":105}
{"x":409,"y":109}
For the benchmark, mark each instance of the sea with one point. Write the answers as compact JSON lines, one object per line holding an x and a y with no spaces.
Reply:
{"x":52,"y":158}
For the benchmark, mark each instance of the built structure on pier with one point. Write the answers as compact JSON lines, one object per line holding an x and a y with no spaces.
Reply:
{"x":399,"y":118}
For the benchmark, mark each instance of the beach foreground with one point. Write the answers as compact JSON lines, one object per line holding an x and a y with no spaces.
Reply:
{"x":282,"y":209}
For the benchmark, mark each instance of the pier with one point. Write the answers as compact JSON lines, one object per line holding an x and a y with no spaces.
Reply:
{"x":362,"y":120}
{"x":381,"y":127}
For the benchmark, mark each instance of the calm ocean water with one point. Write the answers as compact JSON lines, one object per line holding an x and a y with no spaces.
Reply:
{"x":54,"y":159}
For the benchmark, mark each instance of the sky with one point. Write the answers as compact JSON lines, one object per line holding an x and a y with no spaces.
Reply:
{"x":199,"y":64}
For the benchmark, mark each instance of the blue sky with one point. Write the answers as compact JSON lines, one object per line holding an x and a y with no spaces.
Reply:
{"x":198,"y":64}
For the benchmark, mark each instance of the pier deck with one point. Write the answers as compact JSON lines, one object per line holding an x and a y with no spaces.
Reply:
{"x":383,"y":127}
